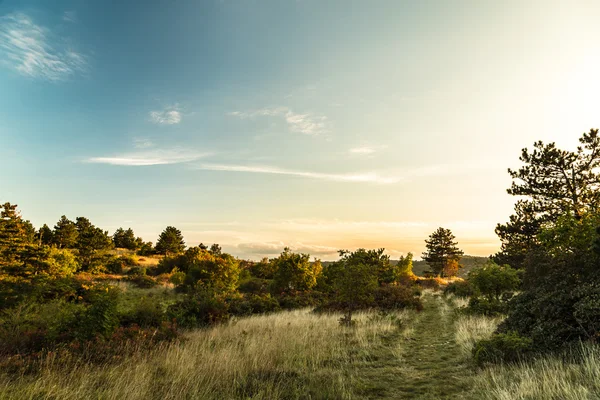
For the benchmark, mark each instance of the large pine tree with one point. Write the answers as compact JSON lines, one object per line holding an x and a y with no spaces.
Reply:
{"x":170,"y":241}
{"x":442,"y":252}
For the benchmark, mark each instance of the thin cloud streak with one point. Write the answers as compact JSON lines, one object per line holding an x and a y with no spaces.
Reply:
{"x":146,"y":158}
{"x":366,"y":150}
{"x":28,"y":49}
{"x":307,"y":123}
{"x":360,"y":177}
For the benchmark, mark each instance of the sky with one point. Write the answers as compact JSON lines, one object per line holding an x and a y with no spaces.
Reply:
{"x":314,"y":124}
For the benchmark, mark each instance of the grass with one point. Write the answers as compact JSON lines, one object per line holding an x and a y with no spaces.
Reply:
{"x":548,"y":378}
{"x":286,"y":355}
{"x":472,"y":328}
{"x":302,"y":355}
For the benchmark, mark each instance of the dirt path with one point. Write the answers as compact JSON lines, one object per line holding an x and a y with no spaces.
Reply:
{"x":423,"y":362}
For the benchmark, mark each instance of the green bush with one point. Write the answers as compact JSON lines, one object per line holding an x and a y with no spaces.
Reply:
{"x":252,"y":304}
{"x":484,"y":306}
{"x":146,"y":312}
{"x":460,"y":289}
{"x":142,"y":281}
{"x":503,"y":347}
{"x":200,"y":309}
{"x":254,"y":285}
{"x":137,"y":271}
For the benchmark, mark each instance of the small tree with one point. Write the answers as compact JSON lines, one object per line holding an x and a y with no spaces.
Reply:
{"x":45,"y":236}
{"x":493,"y":280}
{"x":355,"y":282}
{"x":125,"y":239}
{"x":441,"y":251}
{"x":170,"y":241}
{"x":294,"y":271}
{"x":209,"y":271}
{"x":14,"y":235}
{"x":65,"y":233}
{"x":91,"y":241}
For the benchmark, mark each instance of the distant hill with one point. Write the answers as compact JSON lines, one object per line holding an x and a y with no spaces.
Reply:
{"x":468,"y":262}
{"x":419,"y":267}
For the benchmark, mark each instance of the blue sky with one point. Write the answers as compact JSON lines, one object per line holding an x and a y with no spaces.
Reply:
{"x":314,"y":124}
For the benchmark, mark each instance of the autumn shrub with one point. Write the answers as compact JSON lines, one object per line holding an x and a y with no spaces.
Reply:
{"x":397,"y":297}
{"x":429,"y":283}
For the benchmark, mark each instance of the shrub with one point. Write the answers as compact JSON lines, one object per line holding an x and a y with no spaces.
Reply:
{"x":200,"y":309}
{"x":493,"y":280}
{"x":142,"y":281}
{"x":254,"y":285}
{"x":252,"y":304}
{"x":504,"y":347}
{"x":484,"y":306}
{"x":137,"y":271}
{"x":101,"y":317}
{"x":146,"y":312}
{"x":295,"y":299}
{"x":397,"y":297}
{"x":429,"y":283}
{"x":460,"y":289}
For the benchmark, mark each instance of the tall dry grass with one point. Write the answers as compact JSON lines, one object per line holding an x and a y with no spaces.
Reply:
{"x":548,"y":378}
{"x":288,"y":355}
{"x":471,"y":328}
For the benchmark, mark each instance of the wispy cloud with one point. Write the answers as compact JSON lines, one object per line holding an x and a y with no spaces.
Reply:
{"x":152,"y":157}
{"x":32,"y":50}
{"x":307,"y":123}
{"x":142,"y":143}
{"x":358,"y":177}
{"x":169,"y":116}
{"x":365,"y":150}
{"x":70,"y":16}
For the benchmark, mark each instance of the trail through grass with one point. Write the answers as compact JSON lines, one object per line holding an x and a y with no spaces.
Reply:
{"x":421,"y":362}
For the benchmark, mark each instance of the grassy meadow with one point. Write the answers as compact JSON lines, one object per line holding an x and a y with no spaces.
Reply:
{"x":305,"y":355}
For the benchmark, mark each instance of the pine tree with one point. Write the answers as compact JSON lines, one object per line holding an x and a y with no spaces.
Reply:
{"x":14,"y":235}
{"x":45,"y":236}
{"x":442,"y":251}
{"x":170,"y":241}
{"x":65,"y":233}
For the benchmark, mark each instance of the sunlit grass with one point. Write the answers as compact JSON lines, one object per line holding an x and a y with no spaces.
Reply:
{"x":471,"y":328}
{"x":286,"y":355}
{"x":548,"y":378}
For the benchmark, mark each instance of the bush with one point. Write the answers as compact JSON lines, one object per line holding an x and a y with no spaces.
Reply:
{"x":116,"y":265}
{"x":507,"y":347}
{"x":429,"y":283}
{"x":292,"y":299}
{"x":559,"y":311}
{"x":252,"y":304}
{"x":460,"y":289}
{"x":493,"y":280}
{"x":397,"y":297}
{"x":137,"y":271}
{"x":142,"y":281}
{"x":200,"y":309}
{"x":484,"y":306}
{"x":254,"y":285}
{"x":146,"y":312}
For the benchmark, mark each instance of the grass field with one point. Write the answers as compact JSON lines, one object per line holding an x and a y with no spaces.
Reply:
{"x":302,"y":355}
